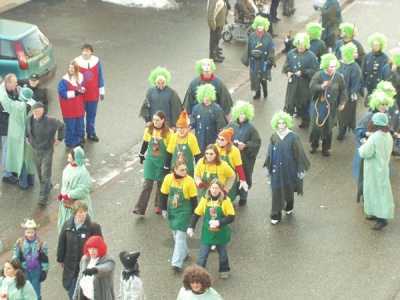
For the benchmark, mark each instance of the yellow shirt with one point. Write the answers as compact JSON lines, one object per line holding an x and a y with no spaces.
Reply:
{"x":186,"y":184}
{"x":234,"y":155}
{"x":227,"y":206}
{"x":223,"y":171}
{"x":157,"y":133}
{"x":190,"y":139}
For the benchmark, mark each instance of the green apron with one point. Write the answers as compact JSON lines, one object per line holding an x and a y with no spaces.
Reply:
{"x":233,"y":191}
{"x":207,"y":178}
{"x":210,"y":237}
{"x":179,"y":208}
{"x":155,"y":160}
{"x":182,"y":152}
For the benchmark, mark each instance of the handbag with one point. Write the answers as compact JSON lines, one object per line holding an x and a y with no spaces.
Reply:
{"x":257,"y":51}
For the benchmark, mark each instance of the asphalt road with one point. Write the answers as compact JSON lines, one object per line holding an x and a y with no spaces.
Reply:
{"x":324,"y":250}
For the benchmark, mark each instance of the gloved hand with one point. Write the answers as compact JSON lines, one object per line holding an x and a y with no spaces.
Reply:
{"x":225,"y":191}
{"x":189,"y":231}
{"x":43,"y":275}
{"x":101,"y":97}
{"x":243,"y":185}
{"x":301,"y":175}
{"x":316,"y":7}
{"x":166,"y":170}
{"x":78,"y":92}
{"x":164,"y":214}
{"x":141,"y":158}
{"x":213,"y":223}
{"x":90,"y":272}
{"x":60,"y":197}
{"x":201,"y":185}
{"x":65,"y":197}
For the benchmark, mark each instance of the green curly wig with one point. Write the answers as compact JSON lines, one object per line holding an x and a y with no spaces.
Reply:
{"x":260,"y":21}
{"x":314,"y":30}
{"x":281,"y":115}
{"x":378,"y":97}
{"x":348,"y":51}
{"x":159,"y":71}
{"x":199,"y":65}
{"x":326,"y":59}
{"x":395,"y":56}
{"x":243,"y":107}
{"x":348,"y":29}
{"x":377,"y":37}
{"x":387,"y":87}
{"x":205,"y":91}
{"x":302,"y":39}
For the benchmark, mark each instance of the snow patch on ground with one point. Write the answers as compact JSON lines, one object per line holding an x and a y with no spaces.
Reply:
{"x":163,"y":4}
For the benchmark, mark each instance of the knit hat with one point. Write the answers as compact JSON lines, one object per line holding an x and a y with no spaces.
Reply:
{"x":260,"y":21}
{"x":302,"y":39}
{"x":205,"y":91}
{"x":314,"y":30}
{"x":377,"y":37}
{"x":243,"y":107}
{"x":183,"y":120}
{"x":157,"y":72}
{"x":37,"y":105}
{"x":348,"y":51}
{"x":129,"y":259}
{"x":281,"y":115}
{"x":348,"y":29}
{"x":227,"y":134}
{"x":29,"y":223}
{"x":79,"y":155}
{"x":395,"y":56}
{"x":380,"y":119}
{"x":25,"y":94}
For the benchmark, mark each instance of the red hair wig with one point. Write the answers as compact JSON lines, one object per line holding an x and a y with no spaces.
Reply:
{"x":97,"y":242}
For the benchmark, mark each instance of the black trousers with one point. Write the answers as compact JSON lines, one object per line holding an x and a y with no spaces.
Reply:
{"x":274,"y":8}
{"x":215,"y":36}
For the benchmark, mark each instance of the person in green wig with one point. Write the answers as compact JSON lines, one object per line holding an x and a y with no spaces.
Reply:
{"x":317,"y":46}
{"x":347,"y":33}
{"x":286,"y":163}
{"x":391,"y":72}
{"x":161,"y":97}
{"x":247,"y":138}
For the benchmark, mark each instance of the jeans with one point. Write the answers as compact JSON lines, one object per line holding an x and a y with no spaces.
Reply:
{"x":222,"y":254}
{"x":25,"y":178}
{"x":43,"y":161}
{"x":181,"y":249}
{"x":34,"y":278}
{"x":91,"y":112}
{"x":3,"y":156}
{"x":71,"y":289}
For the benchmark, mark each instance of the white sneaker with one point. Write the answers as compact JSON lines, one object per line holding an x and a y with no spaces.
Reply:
{"x":224,"y":275}
{"x":289,"y":212}
{"x":274,"y":221}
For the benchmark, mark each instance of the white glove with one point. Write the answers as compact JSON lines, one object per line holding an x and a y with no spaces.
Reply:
{"x":243,"y":185}
{"x":213,"y":223}
{"x":301,"y":175}
{"x":165,"y":214}
{"x":189,"y":231}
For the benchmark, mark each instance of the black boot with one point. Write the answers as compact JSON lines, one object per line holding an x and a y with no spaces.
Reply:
{"x":264,"y":86}
{"x":257,"y":95}
{"x":265,"y":92}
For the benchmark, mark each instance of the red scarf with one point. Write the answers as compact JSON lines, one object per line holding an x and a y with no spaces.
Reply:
{"x":207,"y":79}
{"x":260,"y":33}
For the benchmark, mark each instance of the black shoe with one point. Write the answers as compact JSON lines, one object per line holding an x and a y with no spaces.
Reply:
{"x":257,"y":95}
{"x":325,"y":153}
{"x":292,"y":10}
{"x":313,"y":150}
{"x":42,"y":202}
{"x":93,"y":137}
{"x":217,"y":59}
{"x":242,"y":202}
{"x":303,"y":125}
{"x":220,"y":49}
{"x":10,"y":179}
{"x":274,"y":35}
{"x":340,"y":137}
{"x":286,"y":14}
{"x":176,"y":269}
{"x":22,"y":188}
{"x":275,"y":20}
{"x":221,"y":56}
{"x":83,"y":140}
{"x":379,"y":225}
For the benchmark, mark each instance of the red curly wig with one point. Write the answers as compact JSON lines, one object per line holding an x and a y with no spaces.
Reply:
{"x":97,"y":242}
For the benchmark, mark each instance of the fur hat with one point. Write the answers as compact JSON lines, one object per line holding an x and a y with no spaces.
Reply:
{"x":302,"y":39}
{"x":29,"y":224}
{"x":227,"y":134}
{"x":380,"y":119}
{"x":395,"y":56}
{"x":79,"y":155}
{"x":348,"y":51}
{"x":314,"y":30}
{"x":281,"y":115}
{"x":348,"y":29}
{"x":25,"y":94}
{"x":205,"y":91}
{"x":260,"y":21}
{"x":243,"y":107}
{"x":378,"y":97}
{"x":183,"y":120}
{"x":199,"y":65}
{"x":157,"y":72}
{"x":129,"y":259}
{"x":326,"y":60}
{"x":377,"y":37}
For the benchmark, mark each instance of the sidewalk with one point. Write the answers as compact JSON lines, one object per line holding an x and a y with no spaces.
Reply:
{"x":9,"y":4}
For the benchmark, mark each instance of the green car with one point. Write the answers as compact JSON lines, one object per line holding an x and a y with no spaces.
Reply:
{"x":25,"y":50}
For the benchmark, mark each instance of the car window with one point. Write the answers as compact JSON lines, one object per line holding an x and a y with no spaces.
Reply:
{"x":7,"y":50}
{"x":34,"y":44}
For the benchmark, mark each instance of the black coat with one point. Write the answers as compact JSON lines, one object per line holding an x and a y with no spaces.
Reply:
{"x":48,"y":128}
{"x":70,"y":246}
{"x":40,"y":94}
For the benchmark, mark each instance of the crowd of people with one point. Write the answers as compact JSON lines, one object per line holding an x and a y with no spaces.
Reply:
{"x":200,"y":174}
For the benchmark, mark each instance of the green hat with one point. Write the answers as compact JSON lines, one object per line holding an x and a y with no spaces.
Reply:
{"x":302,"y":39}
{"x":260,"y":21}
{"x":378,"y":97}
{"x":205,"y":91}
{"x":326,"y":60}
{"x":380,"y":119}
{"x":281,"y":115}
{"x":348,"y":29}
{"x":314,"y":30}
{"x":79,"y":155}
{"x":243,"y":107}
{"x":348,"y":51}
{"x":157,"y":72}
{"x":25,"y":94}
{"x":377,"y":37}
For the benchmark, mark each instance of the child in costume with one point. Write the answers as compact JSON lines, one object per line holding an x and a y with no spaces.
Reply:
{"x":130,"y":287}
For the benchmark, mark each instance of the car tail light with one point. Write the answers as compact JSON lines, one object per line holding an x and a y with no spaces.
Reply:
{"x":23,"y":63}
